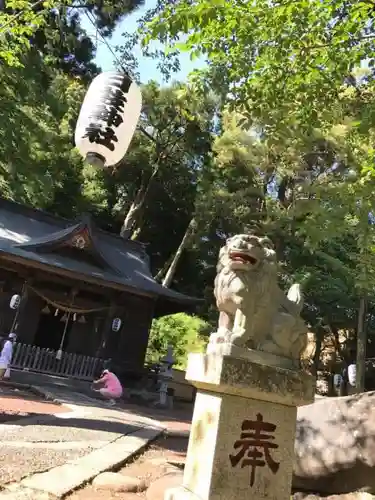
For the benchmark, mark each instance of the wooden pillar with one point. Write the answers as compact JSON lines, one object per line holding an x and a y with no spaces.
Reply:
{"x":20,"y":317}
{"x":103,"y":351}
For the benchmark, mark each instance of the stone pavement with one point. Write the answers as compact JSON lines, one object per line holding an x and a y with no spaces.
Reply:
{"x":176,"y":421}
{"x":16,"y":404}
{"x":45,"y":380}
{"x":56,"y":453}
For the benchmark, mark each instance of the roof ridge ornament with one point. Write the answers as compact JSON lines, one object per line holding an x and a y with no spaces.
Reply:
{"x":79,"y":236}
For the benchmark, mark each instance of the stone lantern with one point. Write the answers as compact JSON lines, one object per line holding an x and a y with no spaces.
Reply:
{"x":165,"y":376}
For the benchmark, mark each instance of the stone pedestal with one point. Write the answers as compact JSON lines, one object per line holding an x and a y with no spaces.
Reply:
{"x":242,"y":435}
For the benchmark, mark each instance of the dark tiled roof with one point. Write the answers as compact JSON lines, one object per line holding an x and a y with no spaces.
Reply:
{"x":32,"y":235}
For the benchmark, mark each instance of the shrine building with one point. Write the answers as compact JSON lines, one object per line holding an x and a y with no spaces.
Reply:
{"x":74,"y":280}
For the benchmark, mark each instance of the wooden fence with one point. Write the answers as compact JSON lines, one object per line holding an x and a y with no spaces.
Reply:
{"x":36,"y":359}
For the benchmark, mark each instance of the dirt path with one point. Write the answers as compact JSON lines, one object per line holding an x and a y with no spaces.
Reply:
{"x":152,"y":465}
{"x":149,"y":466}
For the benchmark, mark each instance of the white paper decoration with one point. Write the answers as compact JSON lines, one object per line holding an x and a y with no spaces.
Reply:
{"x":116,"y":324}
{"x":108,"y":118}
{"x":15,"y":302}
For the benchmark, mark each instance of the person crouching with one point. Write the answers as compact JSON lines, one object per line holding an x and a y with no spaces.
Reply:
{"x":109,"y":386}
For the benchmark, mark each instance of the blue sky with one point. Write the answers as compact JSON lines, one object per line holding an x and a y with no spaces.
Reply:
{"x":147,"y":68}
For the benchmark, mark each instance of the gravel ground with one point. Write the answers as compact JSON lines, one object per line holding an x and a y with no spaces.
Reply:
{"x":15,"y":407}
{"x":12,"y":408}
{"x":149,"y":466}
{"x":39,"y":441}
{"x":178,"y":419}
{"x":53,"y":429}
{"x":11,"y":416}
{"x":78,"y":435}
{"x":16,"y":404}
{"x":20,"y":462}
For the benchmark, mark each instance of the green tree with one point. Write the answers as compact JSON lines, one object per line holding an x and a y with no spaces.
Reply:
{"x":37,"y":161}
{"x":153,"y":189}
{"x":183,"y":332}
{"x":65,"y":45}
{"x":285,"y":62}
{"x":259,"y":184}
{"x":55,"y":30}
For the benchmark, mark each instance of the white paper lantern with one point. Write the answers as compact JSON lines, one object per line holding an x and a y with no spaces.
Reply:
{"x":108,"y":118}
{"x":352,"y":374}
{"x":116,"y":324}
{"x":15,"y":302}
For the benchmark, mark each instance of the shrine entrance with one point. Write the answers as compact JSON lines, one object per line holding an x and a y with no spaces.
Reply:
{"x":50,"y":331}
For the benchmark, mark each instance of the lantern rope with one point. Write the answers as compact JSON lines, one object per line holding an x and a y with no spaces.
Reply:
{"x":98,"y":32}
{"x":64,"y":307}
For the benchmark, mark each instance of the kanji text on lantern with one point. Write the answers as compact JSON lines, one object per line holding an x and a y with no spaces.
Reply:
{"x":108,"y":113}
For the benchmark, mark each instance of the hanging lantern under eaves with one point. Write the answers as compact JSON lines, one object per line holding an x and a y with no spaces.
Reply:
{"x":15,"y":301}
{"x":108,"y":118}
{"x":116,"y":324}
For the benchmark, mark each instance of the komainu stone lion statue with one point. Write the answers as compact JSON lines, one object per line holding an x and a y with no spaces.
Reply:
{"x":254,"y":312}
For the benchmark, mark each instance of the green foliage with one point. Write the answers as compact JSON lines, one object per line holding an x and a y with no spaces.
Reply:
{"x":275,"y":135}
{"x":292,"y":71}
{"x":65,"y":45}
{"x":184,"y":332}
{"x":17,"y":24}
{"x":36,"y":156}
{"x":108,"y":13}
{"x":166,"y":167}
{"x":54,"y":29}
{"x":296,"y":54}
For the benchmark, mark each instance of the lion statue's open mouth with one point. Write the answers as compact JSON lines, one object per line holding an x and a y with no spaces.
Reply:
{"x":246,"y":252}
{"x":243,"y":257}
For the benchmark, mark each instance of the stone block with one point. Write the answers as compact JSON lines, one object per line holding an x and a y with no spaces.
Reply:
{"x":249,"y":379}
{"x":242,"y":435}
{"x":335,"y":447}
{"x":119,"y":483}
{"x":226,"y":470}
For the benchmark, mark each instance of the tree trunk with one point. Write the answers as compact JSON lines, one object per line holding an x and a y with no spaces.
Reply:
{"x":158,"y":276}
{"x":184,"y":243}
{"x":131,"y":217}
{"x":134,"y":211}
{"x":361,"y":345}
{"x":318,"y":349}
